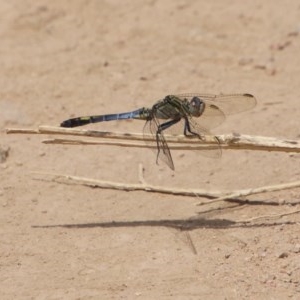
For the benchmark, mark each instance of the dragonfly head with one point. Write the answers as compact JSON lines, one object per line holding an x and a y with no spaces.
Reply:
{"x":197,"y":107}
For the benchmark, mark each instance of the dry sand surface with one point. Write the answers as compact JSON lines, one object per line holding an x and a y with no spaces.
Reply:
{"x":68,"y":58}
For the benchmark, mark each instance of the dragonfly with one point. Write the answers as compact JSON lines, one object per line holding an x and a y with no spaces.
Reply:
{"x":191,"y":114}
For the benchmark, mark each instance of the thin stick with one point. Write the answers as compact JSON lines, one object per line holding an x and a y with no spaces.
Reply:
{"x":126,"y":144}
{"x":129,"y":186}
{"x":96,"y":142}
{"x":220,"y":195}
{"x":269,"y":216}
{"x":66,"y":179}
{"x":259,"y":190}
{"x":228,"y":141}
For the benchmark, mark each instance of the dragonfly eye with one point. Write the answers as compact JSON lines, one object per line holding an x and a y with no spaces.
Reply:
{"x":197,"y":107}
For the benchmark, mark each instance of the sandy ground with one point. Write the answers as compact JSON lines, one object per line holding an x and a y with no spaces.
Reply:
{"x":68,"y":58}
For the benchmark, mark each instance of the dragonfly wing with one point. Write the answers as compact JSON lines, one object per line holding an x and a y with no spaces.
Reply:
{"x":211,"y":117}
{"x":215,"y":150}
{"x":158,"y":142}
{"x":218,"y":106}
{"x":231,"y":103}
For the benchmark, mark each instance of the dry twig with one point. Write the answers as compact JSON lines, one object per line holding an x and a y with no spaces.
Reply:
{"x":221,"y":196}
{"x":68,"y":179}
{"x":253,"y":191}
{"x":251,"y":220}
{"x":227,"y":141}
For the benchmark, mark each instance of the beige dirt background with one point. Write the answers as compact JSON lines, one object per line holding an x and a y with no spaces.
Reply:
{"x":60,"y":59}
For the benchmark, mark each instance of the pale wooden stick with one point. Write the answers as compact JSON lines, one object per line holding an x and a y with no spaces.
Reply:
{"x":129,"y":187}
{"x":107,"y":135}
{"x":228,"y":141}
{"x":76,"y":132}
{"x":96,"y":142}
{"x":126,"y":144}
{"x":148,"y":188}
{"x":269,"y":217}
{"x":259,"y":190}
{"x":221,"y":196}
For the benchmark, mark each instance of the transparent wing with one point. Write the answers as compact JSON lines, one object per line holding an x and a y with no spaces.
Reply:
{"x":163,"y":152}
{"x":218,"y":106}
{"x":178,"y":129}
{"x":215,"y":150}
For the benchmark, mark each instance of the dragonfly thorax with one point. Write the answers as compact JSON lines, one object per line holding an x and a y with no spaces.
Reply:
{"x":196,"y":107}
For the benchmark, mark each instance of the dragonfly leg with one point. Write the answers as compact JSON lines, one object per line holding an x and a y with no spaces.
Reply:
{"x":159,"y":131}
{"x":168,"y":124}
{"x":187,"y":129}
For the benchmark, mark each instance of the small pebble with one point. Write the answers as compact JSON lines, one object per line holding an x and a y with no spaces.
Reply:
{"x":297,"y":248}
{"x":283,"y":255}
